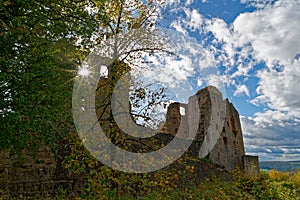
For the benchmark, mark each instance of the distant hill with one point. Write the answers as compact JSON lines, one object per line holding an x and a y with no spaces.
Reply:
{"x":280,"y":165}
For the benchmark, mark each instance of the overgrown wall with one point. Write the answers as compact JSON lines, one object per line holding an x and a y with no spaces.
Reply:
{"x":251,"y":165}
{"x":34,"y":175}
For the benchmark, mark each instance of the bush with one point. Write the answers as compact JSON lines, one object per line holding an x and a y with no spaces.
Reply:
{"x":279,"y":176}
{"x":296,"y":178}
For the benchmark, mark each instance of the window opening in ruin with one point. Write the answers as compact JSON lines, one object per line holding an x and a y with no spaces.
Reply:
{"x":182,"y":111}
{"x":225,"y":140}
{"x":103,"y":71}
{"x":235,"y":133}
{"x":233,"y":127}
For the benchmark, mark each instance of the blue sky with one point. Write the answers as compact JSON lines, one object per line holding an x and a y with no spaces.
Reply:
{"x":253,"y":48}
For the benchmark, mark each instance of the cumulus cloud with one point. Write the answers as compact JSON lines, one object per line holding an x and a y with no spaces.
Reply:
{"x":189,"y":2}
{"x":276,"y":142}
{"x":257,"y":3}
{"x":269,"y":37}
{"x":188,"y":60}
{"x":241,"y":89}
{"x":193,"y":20}
{"x":178,"y":27}
{"x":280,"y":90}
{"x":216,"y":80}
{"x":273,"y":32}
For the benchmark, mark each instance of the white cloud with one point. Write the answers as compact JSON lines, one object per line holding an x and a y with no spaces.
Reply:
{"x":280,"y":90}
{"x":178,"y":27}
{"x":274,"y":118}
{"x":193,"y":20}
{"x":223,"y":35}
{"x":219,"y":81}
{"x":271,"y":142}
{"x":257,"y":3}
{"x":220,"y":30}
{"x":241,"y":89}
{"x":270,"y":35}
{"x":273,"y":32}
{"x":172,"y":2}
{"x":242,"y":69}
{"x":174,"y":70}
{"x":189,"y":2}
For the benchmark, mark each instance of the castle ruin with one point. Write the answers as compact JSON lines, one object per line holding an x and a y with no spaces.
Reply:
{"x":228,"y":149}
{"x":29,"y":177}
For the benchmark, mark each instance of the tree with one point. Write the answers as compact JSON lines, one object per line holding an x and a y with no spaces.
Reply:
{"x":37,"y":51}
{"x":122,"y":17}
{"x":42,"y":43}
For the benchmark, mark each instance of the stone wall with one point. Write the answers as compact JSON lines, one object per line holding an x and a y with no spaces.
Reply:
{"x":229,"y":149}
{"x":176,"y":119}
{"x":218,"y":120}
{"x":43,"y":176}
{"x":37,"y":176}
{"x":251,"y":165}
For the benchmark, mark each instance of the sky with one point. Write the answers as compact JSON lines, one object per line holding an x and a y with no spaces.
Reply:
{"x":250,"y":50}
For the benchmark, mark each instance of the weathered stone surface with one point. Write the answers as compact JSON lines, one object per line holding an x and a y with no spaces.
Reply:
{"x":202,"y":115}
{"x":29,"y":178}
{"x":219,"y":133}
{"x":177,"y":121}
{"x":251,"y":165}
{"x":229,"y":149}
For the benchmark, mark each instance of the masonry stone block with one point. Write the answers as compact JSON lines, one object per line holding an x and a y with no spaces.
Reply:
{"x":218,"y":127}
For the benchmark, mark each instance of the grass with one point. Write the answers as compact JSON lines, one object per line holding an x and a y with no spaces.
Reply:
{"x":271,"y":185}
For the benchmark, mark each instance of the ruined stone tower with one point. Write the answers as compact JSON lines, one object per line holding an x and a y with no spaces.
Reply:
{"x":218,"y":131}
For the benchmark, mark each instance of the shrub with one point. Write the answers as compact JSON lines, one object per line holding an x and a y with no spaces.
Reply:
{"x":278,"y":176}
